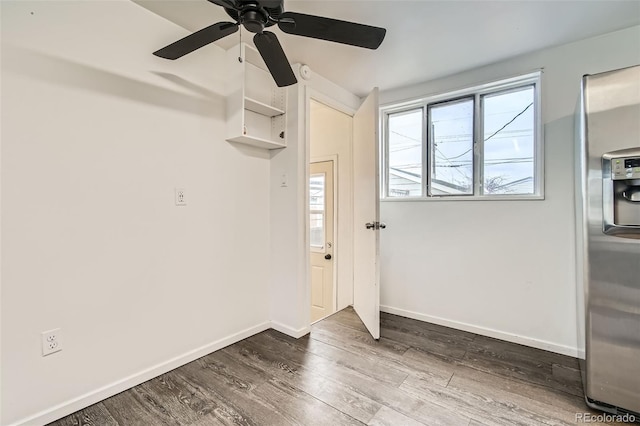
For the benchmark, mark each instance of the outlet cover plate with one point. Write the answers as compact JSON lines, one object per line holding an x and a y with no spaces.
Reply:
{"x":51,"y":342}
{"x":181,"y":197}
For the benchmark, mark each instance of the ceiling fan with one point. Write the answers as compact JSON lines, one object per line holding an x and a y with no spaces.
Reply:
{"x":256,"y":15}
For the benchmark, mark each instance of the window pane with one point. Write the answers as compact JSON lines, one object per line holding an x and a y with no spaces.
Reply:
{"x":405,"y":154}
{"x":316,"y":206}
{"x":317,"y":230}
{"x":509,"y":142}
{"x":452,"y":148}
{"x":316,"y":192}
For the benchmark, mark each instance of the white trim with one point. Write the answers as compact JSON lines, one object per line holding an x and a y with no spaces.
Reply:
{"x":328,"y":101}
{"x":290,"y":331}
{"x":332,"y":157}
{"x":440,"y":198}
{"x":489,"y":332}
{"x":92,"y":397}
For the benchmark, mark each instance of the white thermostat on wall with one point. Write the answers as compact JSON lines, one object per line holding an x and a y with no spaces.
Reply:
{"x":305,"y":72}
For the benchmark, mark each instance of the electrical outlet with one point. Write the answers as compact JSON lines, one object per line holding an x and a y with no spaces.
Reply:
{"x":181,"y":198}
{"x":51,"y":342}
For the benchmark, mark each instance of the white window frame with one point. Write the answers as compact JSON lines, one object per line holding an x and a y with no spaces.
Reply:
{"x":476,"y":92}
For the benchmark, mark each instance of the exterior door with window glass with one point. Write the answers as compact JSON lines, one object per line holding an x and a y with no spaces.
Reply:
{"x":321,"y":201}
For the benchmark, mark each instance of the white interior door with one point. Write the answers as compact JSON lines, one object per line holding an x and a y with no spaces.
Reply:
{"x":366,"y":215}
{"x":321,"y":239}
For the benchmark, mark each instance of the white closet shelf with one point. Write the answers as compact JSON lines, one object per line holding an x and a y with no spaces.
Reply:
{"x":259,"y":142}
{"x":262,"y":108}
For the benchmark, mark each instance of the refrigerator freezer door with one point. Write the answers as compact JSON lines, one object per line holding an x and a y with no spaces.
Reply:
{"x":611,"y":122}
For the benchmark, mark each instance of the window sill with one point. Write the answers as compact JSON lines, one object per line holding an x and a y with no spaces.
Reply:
{"x":465,"y":198}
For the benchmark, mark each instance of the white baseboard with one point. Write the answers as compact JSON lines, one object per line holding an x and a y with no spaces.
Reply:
{"x":289,"y":331}
{"x":514,"y":338}
{"x":100,"y":394}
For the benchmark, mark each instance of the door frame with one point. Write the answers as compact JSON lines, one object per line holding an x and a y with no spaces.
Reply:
{"x":334,"y":237}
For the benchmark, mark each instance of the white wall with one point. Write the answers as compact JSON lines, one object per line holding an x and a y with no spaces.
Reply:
{"x":501,"y":268}
{"x":96,"y":133}
{"x":331,"y":132}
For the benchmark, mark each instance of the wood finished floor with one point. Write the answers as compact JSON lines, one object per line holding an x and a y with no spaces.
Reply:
{"x":417,"y":373}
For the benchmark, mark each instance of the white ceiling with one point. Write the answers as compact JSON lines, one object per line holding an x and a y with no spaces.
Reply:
{"x":425,"y":39}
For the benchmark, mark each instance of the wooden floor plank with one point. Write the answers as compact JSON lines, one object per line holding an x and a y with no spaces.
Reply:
{"x":356,"y":341}
{"x":346,"y":317}
{"x":380,"y":392}
{"x":510,"y":362}
{"x":434,"y":331}
{"x":137,"y":407}
{"x":376,"y":368}
{"x":307,"y":376}
{"x":94,"y":415}
{"x":479,"y":406}
{"x":232,"y":402}
{"x":300,"y":408}
{"x":416,"y":373}
{"x":389,"y":417}
{"x":541,"y":404}
{"x":186,"y":406}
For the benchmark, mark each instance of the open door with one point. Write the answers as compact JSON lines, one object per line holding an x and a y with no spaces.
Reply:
{"x":366,"y":215}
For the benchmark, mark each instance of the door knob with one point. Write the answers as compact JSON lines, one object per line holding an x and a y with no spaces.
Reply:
{"x":375,"y":225}
{"x":327,"y":256}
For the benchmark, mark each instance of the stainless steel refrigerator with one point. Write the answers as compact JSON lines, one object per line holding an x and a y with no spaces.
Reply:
{"x":608,"y":239}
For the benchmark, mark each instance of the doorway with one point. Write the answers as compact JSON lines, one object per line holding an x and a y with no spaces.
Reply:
{"x":330,"y":231}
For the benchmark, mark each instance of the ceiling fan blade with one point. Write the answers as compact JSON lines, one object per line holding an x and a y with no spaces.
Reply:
{"x":332,"y":30}
{"x":197,"y":40}
{"x":229,"y":4}
{"x":271,"y":3}
{"x":271,"y":51}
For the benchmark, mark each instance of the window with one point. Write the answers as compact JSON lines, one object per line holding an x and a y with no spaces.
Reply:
{"x":481,"y":143}
{"x":451,"y":125}
{"x":509,"y":148}
{"x":317,"y":211}
{"x":405,"y":153}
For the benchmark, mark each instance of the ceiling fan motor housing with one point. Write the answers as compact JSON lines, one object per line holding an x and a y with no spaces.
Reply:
{"x":255,"y":15}
{"x":253,"y":20}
